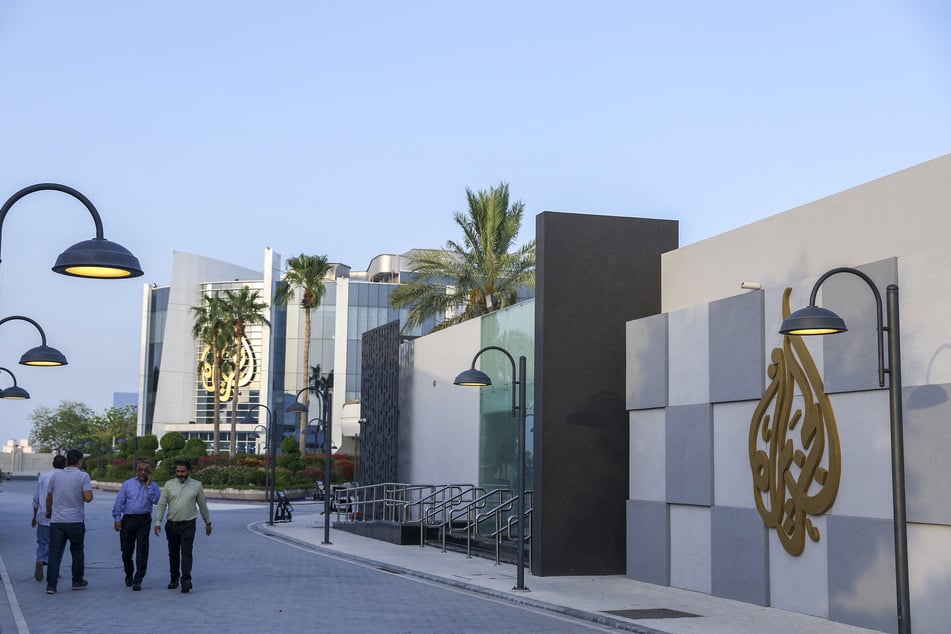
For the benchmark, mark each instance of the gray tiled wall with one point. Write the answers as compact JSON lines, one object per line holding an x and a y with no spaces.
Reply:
{"x":737,"y":348}
{"x":689,"y":454}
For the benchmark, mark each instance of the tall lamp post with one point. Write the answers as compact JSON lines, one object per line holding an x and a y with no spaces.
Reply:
{"x":473,"y":377}
{"x":815,"y":320}
{"x":271,"y":456}
{"x":41,"y":355}
{"x":323,"y":392}
{"x":98,"y":258}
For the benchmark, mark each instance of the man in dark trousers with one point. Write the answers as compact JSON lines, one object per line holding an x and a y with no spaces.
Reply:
{"x":132,"y":513}
{"x":68,"y":491}
{"x":185,"y":499}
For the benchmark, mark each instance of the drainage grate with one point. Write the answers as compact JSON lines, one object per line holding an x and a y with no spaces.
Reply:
{"x":649,"y":613}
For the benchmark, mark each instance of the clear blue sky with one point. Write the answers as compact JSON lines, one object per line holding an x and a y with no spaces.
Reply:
{"x":353,"y":128}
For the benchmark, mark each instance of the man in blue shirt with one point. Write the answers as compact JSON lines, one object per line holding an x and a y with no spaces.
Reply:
{"x":132,"y":513}
{"x":68,"y":490}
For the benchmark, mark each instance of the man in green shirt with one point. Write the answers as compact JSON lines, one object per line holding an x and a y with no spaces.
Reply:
{"x":185,"y":499}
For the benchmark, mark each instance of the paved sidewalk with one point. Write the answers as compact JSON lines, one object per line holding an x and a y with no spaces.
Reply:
{"x":588,"y":598}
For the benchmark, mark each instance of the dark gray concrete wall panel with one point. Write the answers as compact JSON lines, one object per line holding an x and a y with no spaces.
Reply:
{"x":648,"y":546}
{"x":689,"y":454}
{"x":737,"y":331}
{"x":647,"y":363}
{"x":593,"y":275}
{"x":740,"y":555}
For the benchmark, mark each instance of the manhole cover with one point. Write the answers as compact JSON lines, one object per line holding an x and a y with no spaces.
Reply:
{"x":650,"y":613}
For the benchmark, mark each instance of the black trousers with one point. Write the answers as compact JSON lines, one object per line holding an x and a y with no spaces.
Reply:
{"x":134,"y":538}
{"x":181,"y":538}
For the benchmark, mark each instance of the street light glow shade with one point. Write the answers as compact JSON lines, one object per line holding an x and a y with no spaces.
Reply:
{"x":297,"y":407}
{"x":473,"y":378}
{"x":95,"y":258}
{"x":813,"y":320}
{"x":41,"y":355}
{"x":14,"y":392}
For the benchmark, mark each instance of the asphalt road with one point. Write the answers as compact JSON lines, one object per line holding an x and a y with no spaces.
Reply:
{"x":243,"y":582}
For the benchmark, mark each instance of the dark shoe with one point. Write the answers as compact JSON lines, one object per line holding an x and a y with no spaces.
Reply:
{"x":173,"y":584}
{"x":186,"y":585}
{"x":79,"y":585}
{"x":38,"y":571}
{"x":136,"y":586}
{"x":128,"y":582}
{"x":50,"y":590}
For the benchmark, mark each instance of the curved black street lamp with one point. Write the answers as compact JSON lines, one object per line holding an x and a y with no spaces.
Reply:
{"x":323,"y":393}
{"x":271,"y":456}
{"x":96,"y":258}
{"x":478,"y":378}
{"x":41,"y":355}
{"x":14,"y":392}
{"x":814,"y":320}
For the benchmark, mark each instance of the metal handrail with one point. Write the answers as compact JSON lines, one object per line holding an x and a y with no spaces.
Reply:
{"x":451,"y":504}
{"x":472,"y":522}
{"x":431,"y":500}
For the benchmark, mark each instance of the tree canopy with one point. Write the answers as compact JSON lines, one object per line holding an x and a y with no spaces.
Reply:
{"x":483,"y":273}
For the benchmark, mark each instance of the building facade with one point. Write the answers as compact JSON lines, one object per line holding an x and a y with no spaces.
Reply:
{"x":175,"y":386}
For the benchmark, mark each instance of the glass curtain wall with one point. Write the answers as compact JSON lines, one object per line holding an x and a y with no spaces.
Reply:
{"x":513,"y":329}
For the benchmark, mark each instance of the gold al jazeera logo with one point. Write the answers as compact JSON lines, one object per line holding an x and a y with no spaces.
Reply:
{"x":794,"y":453}
{"x":242,"y":365}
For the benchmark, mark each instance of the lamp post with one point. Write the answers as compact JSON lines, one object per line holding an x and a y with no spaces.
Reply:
{"x":267,"y":445}
{"x":271,"y":457}
{"x":815,"y":320}
{"x":473,"y":377}
{"x":98,"y":258}
{"x":14,"y":392}
{"x":323,"y":393}
{"x":41,"y":355}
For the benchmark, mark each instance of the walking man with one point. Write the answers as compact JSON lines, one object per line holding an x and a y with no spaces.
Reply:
{"x":132,"y":513}
{"x":68,"y":491}
{"x":40,"y":522}
{"x":181,"y":496}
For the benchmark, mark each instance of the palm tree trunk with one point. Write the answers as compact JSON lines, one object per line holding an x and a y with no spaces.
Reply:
{"x":303,"y":417}
{"x":233,"y":449}
{"x":216,"y":382}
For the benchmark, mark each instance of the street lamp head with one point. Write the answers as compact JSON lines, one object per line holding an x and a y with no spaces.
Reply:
{"x":812,"y":320}
{"x":248,"y":419}
{"x":14,"y":392}
{"x":43,"y":356}
{"x":297,"y":408}
{"x":473,"y":378}
{"x":98,"y":258}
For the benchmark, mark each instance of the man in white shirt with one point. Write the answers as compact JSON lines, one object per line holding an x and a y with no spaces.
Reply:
{"x":40,"y":522}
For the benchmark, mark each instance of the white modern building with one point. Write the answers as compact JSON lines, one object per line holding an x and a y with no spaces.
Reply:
{"x":175,"y":394}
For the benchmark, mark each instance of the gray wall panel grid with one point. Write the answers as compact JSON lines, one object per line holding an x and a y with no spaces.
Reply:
{"x":851,"y":358}
{"x":593,"y":275}
{"x":646,"y":370}
{"x":740,"y":561}
{"x":648,"y":542}
{"x":862,"y":572}
{"x":737,"y":348}
{"x":689,"y":453}
{"x":927,"y":437}
{"x":379,"y":435}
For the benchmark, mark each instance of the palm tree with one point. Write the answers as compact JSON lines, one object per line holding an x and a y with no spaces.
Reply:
{"x":308,"y":273}
{"x":243,"y":309}
{"x":480,"y":275}
{"x":215,"y":334}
